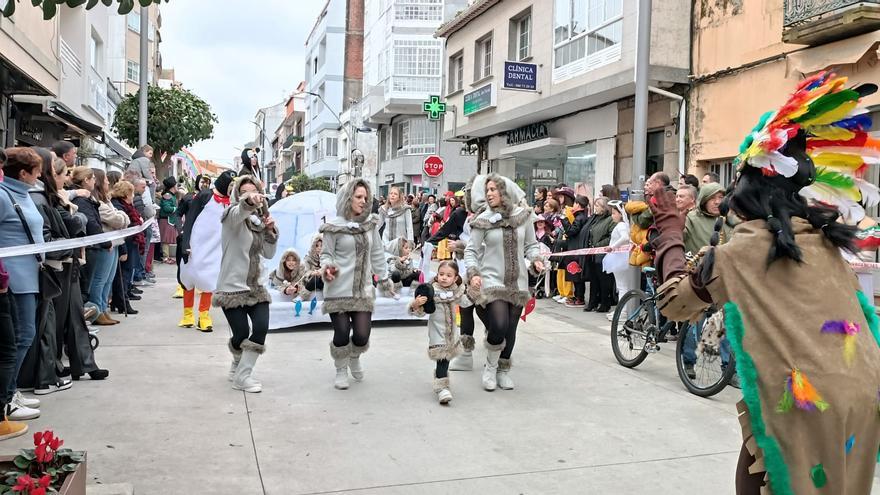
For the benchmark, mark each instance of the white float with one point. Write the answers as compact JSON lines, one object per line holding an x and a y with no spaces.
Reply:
{"x":298,"y":218}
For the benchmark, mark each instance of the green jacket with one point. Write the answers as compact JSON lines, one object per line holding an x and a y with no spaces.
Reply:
{"x":700,"y":225}
{"x":168,"y":208}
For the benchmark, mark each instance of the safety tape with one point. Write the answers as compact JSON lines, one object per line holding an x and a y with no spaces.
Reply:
{"x":79,"y":242}
{"x":597,"y":250}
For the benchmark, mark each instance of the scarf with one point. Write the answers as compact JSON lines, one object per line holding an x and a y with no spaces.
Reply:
{"x":223,"y":200}
{"x":135,"y":218}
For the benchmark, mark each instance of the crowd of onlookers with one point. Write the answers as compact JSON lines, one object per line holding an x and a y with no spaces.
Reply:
{"x":52,"y":302}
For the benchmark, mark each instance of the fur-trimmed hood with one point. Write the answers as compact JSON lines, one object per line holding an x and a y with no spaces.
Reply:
{"x":511,"y":194}
{"x":395,"y":211}
{"x":394,"y":247}
{"x":343,"y":201}
{"x":313,"y":258}
{"x":281,"y":272}
{"x":475,"y":194}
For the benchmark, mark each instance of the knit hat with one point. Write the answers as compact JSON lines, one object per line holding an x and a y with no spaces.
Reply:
{"x":169,"y":182}
{"x":222,"y":183}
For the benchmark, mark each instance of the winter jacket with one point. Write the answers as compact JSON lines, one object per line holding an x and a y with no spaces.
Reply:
{"x":444,"y":339}
{"x":501,"y":242}
{"x":641,"y":220}
{"x":168,"y":208}
{"x":281,"y":278}
{"x":245,"y":239}
{"x":136,"y":240}
{"x":402,"y":268}
{"x":23,"y":270}
{"x":54,"y":227}
{"x":700,"y":225}
{"x":89,"y":208}
{"x":578,"y":237}
{"x":352,"y":246}
{"x":452,"y":228}
{"x":398,"y":223}
{"x":142,"y":166}
{"x":312,"y":260}
{"x":112,"y":219}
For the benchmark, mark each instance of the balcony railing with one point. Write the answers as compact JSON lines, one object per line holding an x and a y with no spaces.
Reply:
{"x":814,"y":22}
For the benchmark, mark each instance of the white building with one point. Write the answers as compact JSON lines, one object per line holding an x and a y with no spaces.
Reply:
{"x":403,"y":67}
{"x":266,"y":121}
{"x":333,"y":81}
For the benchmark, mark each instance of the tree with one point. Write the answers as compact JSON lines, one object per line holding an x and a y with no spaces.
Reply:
{"x":50,"y":7}
{"x":175,"y":118}
{"x":302,"y":182}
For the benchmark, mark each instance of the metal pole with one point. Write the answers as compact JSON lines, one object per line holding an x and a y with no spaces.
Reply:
{"x":144,"y":72}
{"x":640,"y":124}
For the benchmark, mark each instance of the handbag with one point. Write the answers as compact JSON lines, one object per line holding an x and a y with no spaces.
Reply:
{"x":50,"y":288}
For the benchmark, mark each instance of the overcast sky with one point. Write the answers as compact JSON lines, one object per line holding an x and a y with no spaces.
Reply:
{"x":239,"y":57}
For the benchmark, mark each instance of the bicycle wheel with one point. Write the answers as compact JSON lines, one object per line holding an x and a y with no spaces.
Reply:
{"x":710,"y":374}
{"x":628,"y":331}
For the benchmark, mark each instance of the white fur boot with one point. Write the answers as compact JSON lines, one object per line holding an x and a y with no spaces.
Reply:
{"x":465,"y":360}
{"x":341,"y":357}
{"x":503,"y":377}
{"x":242,"y":379}
{"x":490,"y":369}
{"x":441,"y":388}
{"x":354,"y":362}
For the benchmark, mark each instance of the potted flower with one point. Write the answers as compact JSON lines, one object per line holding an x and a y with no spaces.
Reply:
{"x":46,"y":468}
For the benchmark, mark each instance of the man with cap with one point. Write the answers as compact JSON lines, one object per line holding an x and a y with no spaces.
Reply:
{"x":201,"y":250}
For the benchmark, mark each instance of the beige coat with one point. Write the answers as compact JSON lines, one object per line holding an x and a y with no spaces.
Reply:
{"x":774,"y":317}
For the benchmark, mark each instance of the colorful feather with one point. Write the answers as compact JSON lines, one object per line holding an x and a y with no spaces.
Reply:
{"x":849,"y":330}
{"x":801,"y":393}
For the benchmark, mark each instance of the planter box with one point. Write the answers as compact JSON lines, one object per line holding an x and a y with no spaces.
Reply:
{"x":74,"y":484}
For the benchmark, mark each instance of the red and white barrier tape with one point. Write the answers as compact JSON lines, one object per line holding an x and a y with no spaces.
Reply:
{"x":78,"y":242}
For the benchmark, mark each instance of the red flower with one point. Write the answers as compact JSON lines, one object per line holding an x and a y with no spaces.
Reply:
{"x":45,"y":481}
{"x":56,"y":443}
{"x":23,"y":483}
{"x":48,"y":436}
{"x":40,"y":452}
{"x":38,"y":438}
{"x":38,"y":491}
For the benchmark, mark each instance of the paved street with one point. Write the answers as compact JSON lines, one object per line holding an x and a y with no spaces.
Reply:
{"x":167,"y":421}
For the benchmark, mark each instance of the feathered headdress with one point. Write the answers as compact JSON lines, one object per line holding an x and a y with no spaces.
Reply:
{"x":824,"y":112}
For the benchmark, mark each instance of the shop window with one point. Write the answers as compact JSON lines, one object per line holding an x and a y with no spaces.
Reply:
{"x":655,"y":153}
{"x":580,"y":167}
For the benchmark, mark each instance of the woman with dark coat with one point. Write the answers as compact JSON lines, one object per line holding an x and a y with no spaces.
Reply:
{"x":84,"y":178}
{"x":601,"y":283}
{"x":577,"y":236}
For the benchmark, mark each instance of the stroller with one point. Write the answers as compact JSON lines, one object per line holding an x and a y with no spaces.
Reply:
{"x":540,"y":284}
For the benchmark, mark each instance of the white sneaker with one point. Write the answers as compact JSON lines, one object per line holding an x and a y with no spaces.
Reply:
{"x":503,"y":380}
{"x":557,"y":298}
{"x":444,"y":396}
{"x":63,"y":384}
{"x":610,"y":315}
{"x":21,"y":413}
{"x":21,"y":400}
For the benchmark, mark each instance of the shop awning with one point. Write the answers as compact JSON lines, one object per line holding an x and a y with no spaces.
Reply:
{"x":540,"y":149}
{"x":16,"y":82}
{"x":67,"y":116}
{"x":843,"y":52}
{"x":116,"y":146}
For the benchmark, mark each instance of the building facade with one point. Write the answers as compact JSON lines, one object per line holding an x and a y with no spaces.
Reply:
{"x":266,"y":121}
{"x":124,"y":51}
{"x":334,"y":75}
{"x":403,"y":68}
{"x":544,"y":89}
{"x":287,"y":144}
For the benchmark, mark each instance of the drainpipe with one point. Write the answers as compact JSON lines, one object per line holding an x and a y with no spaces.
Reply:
{"x":682,"y":116}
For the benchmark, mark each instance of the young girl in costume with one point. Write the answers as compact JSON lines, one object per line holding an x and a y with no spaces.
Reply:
{"x":352,"y":254}
{"x":443,"y":335}
{"x":400,"y":265}
{"x":290,"y":276}
{"x":313,"y":281}
{"x":396,"y":216}
{"x":806,"y":338}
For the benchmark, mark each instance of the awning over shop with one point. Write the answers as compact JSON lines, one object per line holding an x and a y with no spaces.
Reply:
{"x":843,"y":52}
{"x":116,"y":146}
{"x":62,"y":113}
{"x":540,"y":149}
{"x":16,"y":82}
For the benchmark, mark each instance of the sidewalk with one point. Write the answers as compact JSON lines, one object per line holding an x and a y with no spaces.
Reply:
{"x":168,"y":422}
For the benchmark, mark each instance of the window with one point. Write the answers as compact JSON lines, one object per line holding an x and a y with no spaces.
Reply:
{"x":725,"y":171}
{"x":580,"y":164}
{"x":520,"y":36}
{"x":583,"y":29}
{"x":418,"y":10}
{"x":417,"y":65}
{"x":133,"y":72}
{"x":655,"y":153}
{"x":331,"y":147}
{"x":415,"y":137}
{"x":94,"y":51}
{"x":388,"y":143}
{"x":483,"y":58}
{"x":134,"y":20}
{"x":456,"y":73}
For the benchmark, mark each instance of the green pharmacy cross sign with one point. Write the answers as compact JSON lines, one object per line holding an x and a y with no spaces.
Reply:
{"x":434,"y":108}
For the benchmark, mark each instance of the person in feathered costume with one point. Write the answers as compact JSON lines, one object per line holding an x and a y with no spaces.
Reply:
{"x":201,"y":250}
{"x":806,"y":338}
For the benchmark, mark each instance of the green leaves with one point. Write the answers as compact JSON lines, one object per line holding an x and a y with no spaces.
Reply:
{"x":50,"y":7}
{"x":176,"y":118}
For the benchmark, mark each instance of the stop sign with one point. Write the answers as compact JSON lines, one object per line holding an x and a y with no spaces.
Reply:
{"x":433,"y":166}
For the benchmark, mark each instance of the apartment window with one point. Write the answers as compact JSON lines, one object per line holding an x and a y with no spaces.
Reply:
{"x":133,"y":72}
{"x":95,"y":51}
{"x":483,"y":57}
{"x":134,"y":20}
{"x":422,"y":137}
{"x":655,"y":153}
{"x":520,"y":41}
{"x":418,"y":10}
{"x":417,"y":65}
{"x":456,"y":73}
{"x":401,"y":140}
{"x":331,"y":147}
{"x":584,"y":29}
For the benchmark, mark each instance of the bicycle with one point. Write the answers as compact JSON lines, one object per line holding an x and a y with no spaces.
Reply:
{"x":710,"y":372}
{"x":639,"y":335}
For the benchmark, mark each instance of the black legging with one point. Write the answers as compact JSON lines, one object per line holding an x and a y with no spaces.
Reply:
{"x":442,"y":369}
{"x":354,"y":325}
{"x":314,"y":283}
{"x":467,"y":318}
{"x":601,"y":286}
{"x":238,"y":322}
{"x":503,"y":319}
{"x":405,"y":281}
